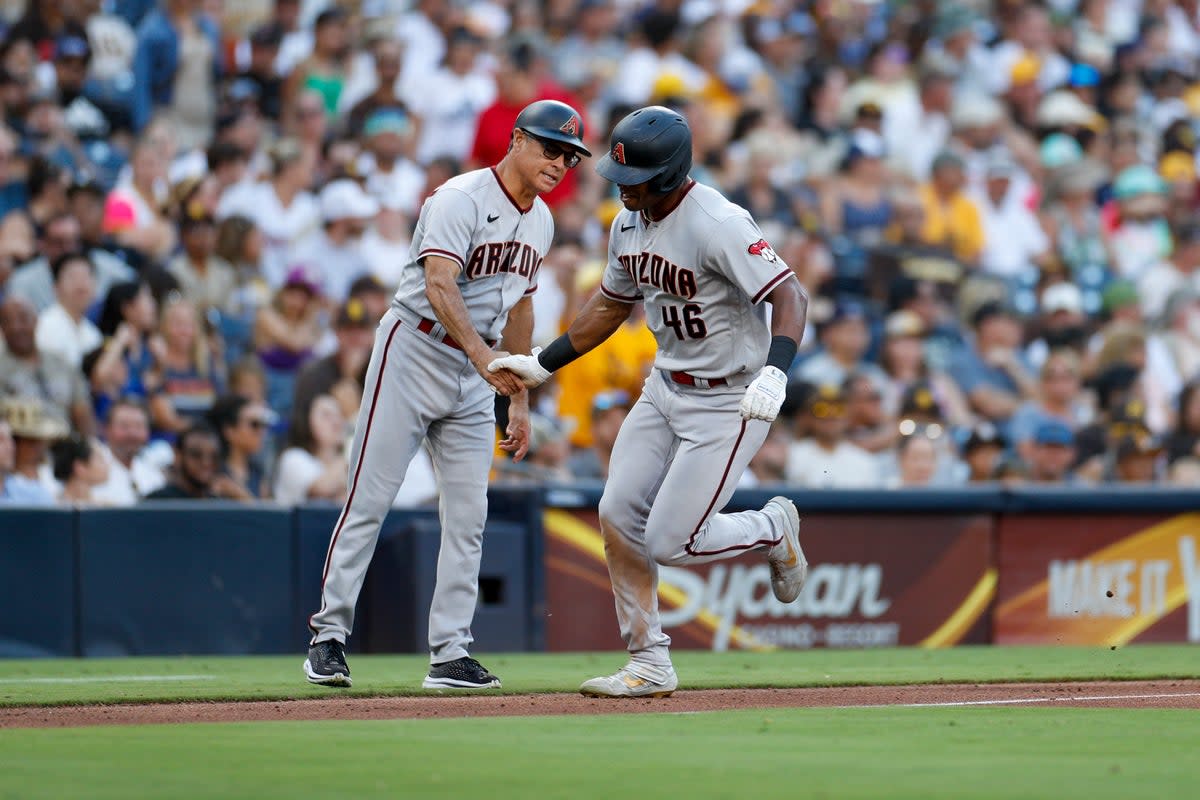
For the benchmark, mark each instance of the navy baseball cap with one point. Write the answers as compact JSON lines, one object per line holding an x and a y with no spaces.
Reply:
{"x":1054,"y":432}
{"x":72,"y":46}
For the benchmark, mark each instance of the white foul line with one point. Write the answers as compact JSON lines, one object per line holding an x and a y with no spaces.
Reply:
{"x":1024,"y":701}
{"x":112,"y":679}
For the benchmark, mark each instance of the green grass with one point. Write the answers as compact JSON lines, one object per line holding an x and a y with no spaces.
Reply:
{"x":846,"y":753}
{"x":279,"y":677}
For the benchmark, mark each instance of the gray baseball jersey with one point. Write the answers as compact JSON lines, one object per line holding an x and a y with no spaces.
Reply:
{"x":472,"y":219}
{"x":421,"y":388}
{"x":701,"y":272}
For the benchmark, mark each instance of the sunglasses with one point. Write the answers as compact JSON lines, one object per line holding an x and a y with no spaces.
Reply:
{"x":553,"y":151}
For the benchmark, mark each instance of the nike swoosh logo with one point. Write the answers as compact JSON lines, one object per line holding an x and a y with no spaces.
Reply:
{"x":627,"y":228}
{"x":493,"y":217}
{"x":632,"y":682}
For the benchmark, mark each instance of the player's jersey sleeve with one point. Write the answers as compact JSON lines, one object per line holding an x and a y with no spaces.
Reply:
{"x":449,"y":218}
{"x":617,"y":283}
{"x":738,"y":251}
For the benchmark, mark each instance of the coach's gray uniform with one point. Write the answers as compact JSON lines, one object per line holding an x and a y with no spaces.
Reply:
{"x":420,"y":385}
{"x":701,"y":272}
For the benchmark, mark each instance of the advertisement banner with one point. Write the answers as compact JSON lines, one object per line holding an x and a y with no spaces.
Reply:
{"x":1101,"y":580}
{"x":874,"y":581}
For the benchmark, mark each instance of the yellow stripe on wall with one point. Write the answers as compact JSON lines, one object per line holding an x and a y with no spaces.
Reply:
{"x":966,"y":615}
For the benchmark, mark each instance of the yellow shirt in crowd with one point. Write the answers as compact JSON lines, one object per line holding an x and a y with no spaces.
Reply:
{"x":620,"y":362}
{"x":956,"y":224}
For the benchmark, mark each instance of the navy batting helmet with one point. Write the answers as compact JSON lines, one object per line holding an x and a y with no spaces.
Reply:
{"x":651,"y":144}
{"x":550,"y":119}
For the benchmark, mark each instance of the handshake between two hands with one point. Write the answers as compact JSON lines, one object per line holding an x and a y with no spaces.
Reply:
{"x":763,"y":399}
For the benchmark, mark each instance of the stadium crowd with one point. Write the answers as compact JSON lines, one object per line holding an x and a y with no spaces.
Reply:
{"x":205,"y":206}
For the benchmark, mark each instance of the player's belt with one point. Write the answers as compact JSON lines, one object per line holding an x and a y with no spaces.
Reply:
{"x":426,"y":326}
{"x":686,"y":379}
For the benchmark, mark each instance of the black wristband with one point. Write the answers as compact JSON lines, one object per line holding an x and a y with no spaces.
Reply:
{"x":782,"y":353}
{"x":558,"y":354}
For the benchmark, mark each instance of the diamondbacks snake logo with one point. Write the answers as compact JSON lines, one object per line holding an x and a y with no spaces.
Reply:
{"x":571,"y":127}
{"x":761,"y":248}
{"x":618,"y":153}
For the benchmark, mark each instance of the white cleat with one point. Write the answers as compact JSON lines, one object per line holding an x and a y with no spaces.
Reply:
{"x":789,"y":568}
{"x":633,"y":680}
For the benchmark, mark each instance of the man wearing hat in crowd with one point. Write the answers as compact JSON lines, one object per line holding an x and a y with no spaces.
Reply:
{"x":1015,"y":245}
{"x":990,"y":369}
{"x":823,"y":458}
{"x":845,"y":340}
{"x":264,"y":44}
{"x":31,"y":431}
{"x":982,"y":452}
{"x":392,"y":177}
{"x":346,"y":211}
{"x":27,"y":372}
{"x":340,"y":373}
{"x":914,"y":142}
{"x":1136,"y":458}
{"x":1180,"y":271}
{"x":206,"y":280}
{"x":388,"y":57}
{"x":1061,"y":323}
{"x":1052,"y":453}
{"x":951,"y":218}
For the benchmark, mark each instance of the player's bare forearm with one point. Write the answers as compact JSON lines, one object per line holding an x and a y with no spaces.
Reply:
{"x":518,"y":330}
{"x":597,"y":320}
{"x":789,"y":309}
{"x":451,"y":310}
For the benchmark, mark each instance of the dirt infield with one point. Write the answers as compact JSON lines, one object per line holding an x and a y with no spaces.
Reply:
{"x":1122,"y":694}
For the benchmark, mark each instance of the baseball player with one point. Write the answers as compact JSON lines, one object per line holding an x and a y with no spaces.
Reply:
{"x":701,"y":267}
{"x":476,"y":249}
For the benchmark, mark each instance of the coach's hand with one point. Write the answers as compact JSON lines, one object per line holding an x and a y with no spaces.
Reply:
{"x":527,"y":368}
{"x":517,"y":432}
{"x":504,"y":383}
{"x":764,"y":396}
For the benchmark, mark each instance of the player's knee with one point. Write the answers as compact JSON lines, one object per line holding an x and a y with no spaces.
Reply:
{"x":663,"y":549}
{"x":614,"y":514}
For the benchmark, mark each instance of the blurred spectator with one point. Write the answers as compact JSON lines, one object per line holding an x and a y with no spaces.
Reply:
{"x":1140,"y":235}
{"x":870,"y":424}
{"x":80,"y":467}
{"x":339,"y":374}
{"x":133,"y":470}
{"x":29,"y":430}
{"x":824,"y":458}
{"x":387,"y":56}
{"x":194,"y":475}
{"x":281,"y":208}
{"x":261,"y":73}
{"x":34,"y":280}
{"x":1179,"y":272}
{"x":324,"y":71}
{"x":134,"y":212}
{"x":609,"y":410}
{"x":1184,"y":441}
{"x":45,"y":377}
{"x":1051,"y":453}
{"x":1076,"y":231}
{"x":176,"y":67}
{"x":1059,"y":398}
{"x":206,"y":280}
{"x":1062,"y":324}
{"x":63,"y":329}
{"x":242,"y":426}
{"x":914,"y":140}
{"x":1015,"y":245}
{"x":546,"y":460}
{"x":187,"y":378}
{"x":331,"y":258}
{"x":917,"y":458}
{"x":385,"y":245}
{"x":451,"y":100}
{"x":952,"y":219}
{"x":905,"y":364}
{"x":46,"y":186}
{"x":392,"y":177}
{"x":845,"y":340}
{"x":314,"y":466}
{"x":285,"y":334}
{"x":1137,"y":458}
{"x":989,"y":370}
{"x":982,"y":452}
{"x":128,"y":319}
{"x":86,"y":201}
{"x":856,"y":205}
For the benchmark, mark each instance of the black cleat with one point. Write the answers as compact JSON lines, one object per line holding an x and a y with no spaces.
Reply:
{"x":462,"y":673}
{"x":326,"y":664}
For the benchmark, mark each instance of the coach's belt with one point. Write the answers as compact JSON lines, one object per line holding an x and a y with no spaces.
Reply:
{"x":686,"y":379}
{"x":428,"y":327}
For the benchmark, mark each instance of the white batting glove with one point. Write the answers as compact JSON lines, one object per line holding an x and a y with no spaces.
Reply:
{"x":764,"y":396}
{"x":526,"y":368}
